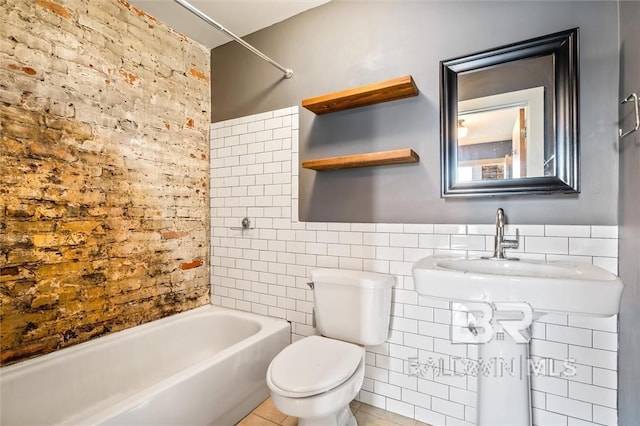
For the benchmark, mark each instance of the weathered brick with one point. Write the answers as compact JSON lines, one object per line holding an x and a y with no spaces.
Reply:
{"x":34,"y":59}
{"x":168,"y":235}
{"x":20,"y":210}
{"x":99,"y":213}
{"x":58,"y":239}
{"x":79,"y":131}
{"x":49,"y":212}
{"x":47,"y":344}
{"x":16,"y":318}
{"x":54,"y":7}
{"x":84,"y":226}
{"x":19,"y":227}
{"x":26,"y":37}
{"x":59,"y":269}
{"x":44,"y":301}
{"x":190,"y":265}
{"x":24,"y":256}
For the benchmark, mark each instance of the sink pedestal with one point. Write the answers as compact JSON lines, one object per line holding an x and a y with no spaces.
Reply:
{"x":522,"y":287}
{"x":503,"y":383}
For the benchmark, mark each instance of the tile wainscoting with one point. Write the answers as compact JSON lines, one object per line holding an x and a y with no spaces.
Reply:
{"x":254,"y":173}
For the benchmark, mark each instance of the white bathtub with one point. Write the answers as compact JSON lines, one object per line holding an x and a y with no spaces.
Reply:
{"x":206,"y":366}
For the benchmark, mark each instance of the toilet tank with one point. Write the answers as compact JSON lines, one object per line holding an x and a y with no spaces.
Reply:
{"x":353,"y":306}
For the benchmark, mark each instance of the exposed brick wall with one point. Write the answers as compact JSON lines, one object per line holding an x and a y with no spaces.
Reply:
{"x":104,"y":118}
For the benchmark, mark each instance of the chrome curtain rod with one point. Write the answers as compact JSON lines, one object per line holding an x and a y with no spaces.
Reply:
{"x":288,"y":72}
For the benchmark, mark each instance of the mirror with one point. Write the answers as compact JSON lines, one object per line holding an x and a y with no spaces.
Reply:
{"x":509,"y":119}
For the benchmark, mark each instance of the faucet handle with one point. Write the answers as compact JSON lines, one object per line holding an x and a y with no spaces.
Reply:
{"x":512,"y":244}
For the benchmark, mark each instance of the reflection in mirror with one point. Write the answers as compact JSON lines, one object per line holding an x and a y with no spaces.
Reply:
{"x":509,"y":119}
{"x":502,"y":136}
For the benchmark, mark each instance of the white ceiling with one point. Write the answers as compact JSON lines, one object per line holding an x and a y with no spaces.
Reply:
{"x":489,"y":126}
{"x":241,"y":17}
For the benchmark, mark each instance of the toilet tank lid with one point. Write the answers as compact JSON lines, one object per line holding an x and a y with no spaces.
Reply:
{"x":352,"y":278}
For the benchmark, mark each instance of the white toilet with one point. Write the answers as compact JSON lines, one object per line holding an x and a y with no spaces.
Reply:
{"x":315,"y":378}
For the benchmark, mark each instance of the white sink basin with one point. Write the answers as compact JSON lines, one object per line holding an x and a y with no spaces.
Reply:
{"x":548,"y":287}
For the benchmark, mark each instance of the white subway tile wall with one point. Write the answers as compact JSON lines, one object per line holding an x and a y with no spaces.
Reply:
{"x":418,"y":371}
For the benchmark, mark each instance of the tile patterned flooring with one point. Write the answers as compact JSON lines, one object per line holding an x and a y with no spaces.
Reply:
{"x":268,"y":415}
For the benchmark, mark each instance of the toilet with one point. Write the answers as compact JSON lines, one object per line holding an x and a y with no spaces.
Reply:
{"x":316,"y":377}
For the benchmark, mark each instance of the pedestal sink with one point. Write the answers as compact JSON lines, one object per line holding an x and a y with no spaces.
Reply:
{"x":562,"y":287}
{"x":575,"y":288}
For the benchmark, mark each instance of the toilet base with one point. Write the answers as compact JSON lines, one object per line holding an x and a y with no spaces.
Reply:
{"x":342,"y":417}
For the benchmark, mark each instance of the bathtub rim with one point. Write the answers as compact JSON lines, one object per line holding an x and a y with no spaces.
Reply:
{"x":11,"y":369}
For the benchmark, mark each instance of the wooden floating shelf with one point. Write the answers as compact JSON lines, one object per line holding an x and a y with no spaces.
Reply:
{"x":383,"y":158}
{"x":390,"y":90}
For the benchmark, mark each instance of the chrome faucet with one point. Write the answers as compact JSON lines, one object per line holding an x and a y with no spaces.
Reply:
{"x":499,"y":242}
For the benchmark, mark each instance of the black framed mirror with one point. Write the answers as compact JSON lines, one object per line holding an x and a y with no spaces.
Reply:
{"x":509,"y":119}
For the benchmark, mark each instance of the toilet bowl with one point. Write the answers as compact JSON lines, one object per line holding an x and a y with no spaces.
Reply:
{"x":315,"y":379}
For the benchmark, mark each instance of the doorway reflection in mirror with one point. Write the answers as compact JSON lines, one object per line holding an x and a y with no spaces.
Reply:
{"x":502,"y":136}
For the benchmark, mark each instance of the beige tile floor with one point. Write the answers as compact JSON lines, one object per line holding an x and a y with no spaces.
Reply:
{"x":366,"y":415}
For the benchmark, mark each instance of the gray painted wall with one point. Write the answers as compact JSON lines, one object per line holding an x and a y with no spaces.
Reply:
{"x":347,"y":43}
{"x":629,"y":260}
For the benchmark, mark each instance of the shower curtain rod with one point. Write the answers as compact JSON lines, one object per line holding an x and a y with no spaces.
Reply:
{"x":288,"y":72}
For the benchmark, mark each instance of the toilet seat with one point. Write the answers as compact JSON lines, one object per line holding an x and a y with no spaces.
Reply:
{"x":313,"y":365}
